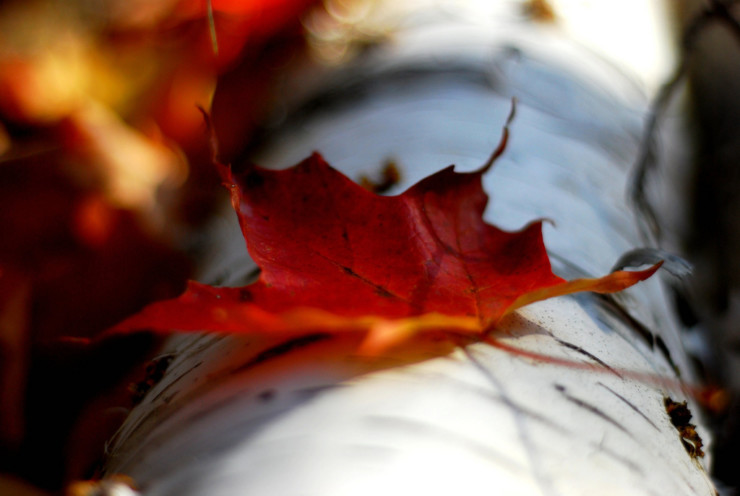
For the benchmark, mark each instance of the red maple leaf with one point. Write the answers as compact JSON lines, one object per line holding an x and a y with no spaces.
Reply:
{"x":336,"y":258}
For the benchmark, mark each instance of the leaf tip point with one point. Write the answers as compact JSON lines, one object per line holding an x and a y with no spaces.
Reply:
{"x":503,"y":141}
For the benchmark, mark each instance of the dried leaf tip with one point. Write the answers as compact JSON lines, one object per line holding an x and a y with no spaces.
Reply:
{"x":673,"y":264}
{"x":501,"y":148}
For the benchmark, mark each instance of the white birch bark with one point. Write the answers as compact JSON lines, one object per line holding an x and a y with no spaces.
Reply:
{"x":231,"y":418}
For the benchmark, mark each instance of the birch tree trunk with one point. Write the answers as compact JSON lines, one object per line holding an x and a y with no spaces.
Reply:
{"x":237,"y":416}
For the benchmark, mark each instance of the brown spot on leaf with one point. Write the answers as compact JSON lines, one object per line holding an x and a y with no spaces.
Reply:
{"x":245,"y":295}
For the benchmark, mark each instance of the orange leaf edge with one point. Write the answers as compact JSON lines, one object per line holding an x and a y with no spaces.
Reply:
{"x":611,"y":283}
